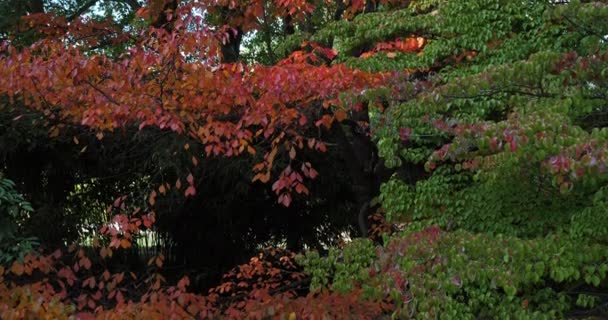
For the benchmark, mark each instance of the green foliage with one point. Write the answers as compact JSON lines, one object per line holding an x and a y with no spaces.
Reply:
{"x":464,"y":275}
{"x":513,"y":148}
{"x":343,"y":269}
{"x":14,"y":209}
{"x":507,"y":112}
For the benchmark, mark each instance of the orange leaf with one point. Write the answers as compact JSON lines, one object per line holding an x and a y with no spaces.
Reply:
{"x":124,"y":243}
{"x":152,"y":198}
{"x":54,"y":132}
{"x":17,"y":268}
{"x":341,"y":115}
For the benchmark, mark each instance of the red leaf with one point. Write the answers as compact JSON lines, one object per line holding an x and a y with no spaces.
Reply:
{"x":312,"y":173}
{"x":190,"y":191}
{"x":404,"y":133}
{"x":183,"y":283}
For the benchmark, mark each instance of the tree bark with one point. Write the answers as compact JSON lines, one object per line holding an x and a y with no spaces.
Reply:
{"x":161,"y":20}
{"x":288,"y":28}
{"x":35,"y":6}
{"x":231,"y":50}
{"x":356,"y":161}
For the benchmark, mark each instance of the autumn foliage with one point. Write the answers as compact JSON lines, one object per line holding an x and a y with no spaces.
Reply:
{"x":465,"y":140}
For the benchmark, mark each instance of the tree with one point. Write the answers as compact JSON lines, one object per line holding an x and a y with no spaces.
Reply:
{"x":480,"y":122}
{"x":227,"y":107}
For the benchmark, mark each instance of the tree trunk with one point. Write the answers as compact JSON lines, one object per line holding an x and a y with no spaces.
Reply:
{"x":231,"y":50}
{"x":357,"y":160}
{"x":36,"y":6}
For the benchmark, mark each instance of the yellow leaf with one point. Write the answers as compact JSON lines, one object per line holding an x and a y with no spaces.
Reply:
{"x":54,"y":132}
{"x":391,"y":55}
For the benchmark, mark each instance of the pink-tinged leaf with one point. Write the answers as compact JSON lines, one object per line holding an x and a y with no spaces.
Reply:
{"x":300,"y":188}
{"x":285,"y":199}
{"x":84,"y":316}
{"x":190,"y":191}
{"x":183,"y":283}
{"x":494,"y":143}
{"x":321,"y":147}
{"x":152,"y":198}
{"x":312,"y":173}
{"x":190,"y":179}
{"x":277,"y":185}
{"x":405,"y":133}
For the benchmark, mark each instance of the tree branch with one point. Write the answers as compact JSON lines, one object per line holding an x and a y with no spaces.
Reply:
{"x":108,"y":97}
{"x":134,"y":4}
{"x":81,"y":10}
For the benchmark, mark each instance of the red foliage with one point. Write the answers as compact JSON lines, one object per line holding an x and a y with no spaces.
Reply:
{"x":270,"y":285}
{"x":165,"y":82}
{"x":408,"y":45}
{"x":172,"y":79}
